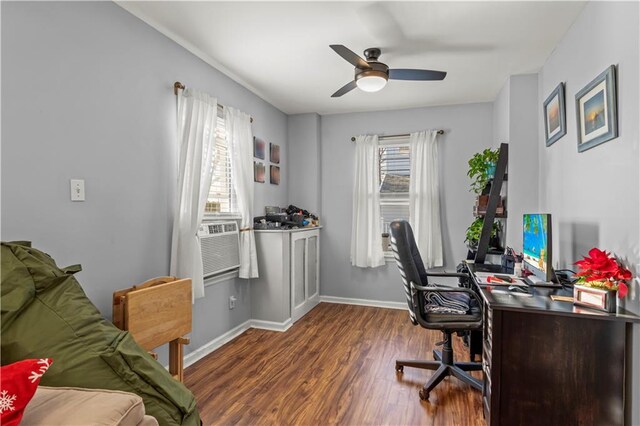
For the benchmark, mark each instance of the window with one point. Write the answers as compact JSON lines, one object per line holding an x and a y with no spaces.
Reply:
{"x":221,"y":199}
{"x":394,"y":173}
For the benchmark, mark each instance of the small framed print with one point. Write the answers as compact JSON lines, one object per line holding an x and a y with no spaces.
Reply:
{"x":258,"y":171}
{"x":596,"y":298}
{"x":555,"y":121}
{"x":597,"y":116}
{"x":259,"y":147}
{"x":275,"y":175}
{"x":274,"y":153}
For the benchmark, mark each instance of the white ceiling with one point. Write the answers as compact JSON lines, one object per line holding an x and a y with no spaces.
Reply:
{"x":280,"y":50}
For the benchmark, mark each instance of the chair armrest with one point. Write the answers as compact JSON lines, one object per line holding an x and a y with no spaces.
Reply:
{"x":449,"y":290}
{"x":448,"y":274}
{"x":455,"y":326}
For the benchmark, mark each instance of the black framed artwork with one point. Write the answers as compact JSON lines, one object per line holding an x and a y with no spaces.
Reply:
{"x":275,"y":175}
{"x":596,"y":111}
{"x":274,"y":153}
{"x":555,"y":116}
{"x":258,"y":171}
{"x":259,"y":147}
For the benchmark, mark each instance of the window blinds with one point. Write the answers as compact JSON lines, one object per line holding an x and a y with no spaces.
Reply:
{"x":393,"y":173}
{"x":221,"y":197}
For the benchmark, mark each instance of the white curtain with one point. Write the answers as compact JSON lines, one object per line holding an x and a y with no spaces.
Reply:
{"x":424,"y":196}
{"x":366,"y":237}
{"x":197,"y":116}
{"x":240,"y":140}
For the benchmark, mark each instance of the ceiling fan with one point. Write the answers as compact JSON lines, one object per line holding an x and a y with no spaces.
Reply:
{"x":371,"y":75}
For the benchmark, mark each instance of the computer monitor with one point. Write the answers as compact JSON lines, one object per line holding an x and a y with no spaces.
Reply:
{"x":536,"y":245}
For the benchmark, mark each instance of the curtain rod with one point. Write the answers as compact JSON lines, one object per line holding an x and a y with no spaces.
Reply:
{"x":402,"y":135}
{"x":179,"y":86}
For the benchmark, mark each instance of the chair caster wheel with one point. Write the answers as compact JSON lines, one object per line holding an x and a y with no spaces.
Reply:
{"x":423,"y":395}
{"x":399,"y":368}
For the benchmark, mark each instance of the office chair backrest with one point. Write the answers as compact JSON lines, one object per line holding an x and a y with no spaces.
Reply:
{"x":409,"y":262}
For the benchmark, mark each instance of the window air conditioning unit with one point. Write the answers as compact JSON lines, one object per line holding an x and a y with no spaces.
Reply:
{"x":219,"y":243}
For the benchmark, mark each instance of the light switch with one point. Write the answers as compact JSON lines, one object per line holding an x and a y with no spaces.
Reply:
{"x":77,"y":189}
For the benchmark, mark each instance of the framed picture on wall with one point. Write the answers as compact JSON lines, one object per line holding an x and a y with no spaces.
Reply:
{"x":274,"y":153}
{"x":259,"y":147}
{"x":596,"y":112}
{"x":275,"y":175}
{"x":258,"y":171}
{"x":555,"y":118}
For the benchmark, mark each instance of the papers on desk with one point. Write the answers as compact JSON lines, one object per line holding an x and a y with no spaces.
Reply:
{"x":488,"y":278}
{"x":557,"y":298}
{"x":511,"y":293}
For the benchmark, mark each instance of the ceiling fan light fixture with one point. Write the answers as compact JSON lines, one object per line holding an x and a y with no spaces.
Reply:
{"x":371,"y":80}
{"x":372,"y":75}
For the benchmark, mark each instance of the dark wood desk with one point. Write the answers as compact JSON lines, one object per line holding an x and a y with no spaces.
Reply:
{"x":549,"y":362}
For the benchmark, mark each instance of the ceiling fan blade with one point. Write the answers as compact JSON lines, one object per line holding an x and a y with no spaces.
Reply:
{"x":345,"y":89}
{"x":349,"y":56}
{"x":408,"y":74}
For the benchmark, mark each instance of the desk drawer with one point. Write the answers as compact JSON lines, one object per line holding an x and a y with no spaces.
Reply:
{"x":488,"y":326}
{"x":488,"y":316}
{"x":486,"y":353}
{"x":486,"y":404}
{"x":486,"y":368}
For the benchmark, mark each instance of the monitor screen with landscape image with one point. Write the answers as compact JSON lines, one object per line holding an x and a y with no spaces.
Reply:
{"x":536,"y":244}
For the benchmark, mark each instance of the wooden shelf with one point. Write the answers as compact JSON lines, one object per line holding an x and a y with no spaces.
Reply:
{"x":492,"y":250}
{"x":482,"y":203}
{"x":506,"y":178}
{"x":493,"y":201}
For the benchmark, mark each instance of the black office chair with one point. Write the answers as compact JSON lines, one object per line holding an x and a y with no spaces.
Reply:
{"x":418,"y":290}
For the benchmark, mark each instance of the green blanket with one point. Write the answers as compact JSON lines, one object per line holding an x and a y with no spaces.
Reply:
{"x":45,"y":314}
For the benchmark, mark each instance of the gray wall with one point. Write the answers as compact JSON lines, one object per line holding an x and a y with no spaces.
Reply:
{"x":515,"y":121}
{"x":87,"y":93}
{"x":522,"y":185}
{"x":594,"y":195}
{"x":303,"y":134}
{"x":501,"y":115}
{"x":468,"y":130}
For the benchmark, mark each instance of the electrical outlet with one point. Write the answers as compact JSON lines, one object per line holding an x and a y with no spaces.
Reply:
{"x":232,"y":302}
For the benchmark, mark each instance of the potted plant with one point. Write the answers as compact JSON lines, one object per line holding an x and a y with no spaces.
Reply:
{"x":601,"y":277}
{"x":475,"y":229}
{"x":482,"y":168}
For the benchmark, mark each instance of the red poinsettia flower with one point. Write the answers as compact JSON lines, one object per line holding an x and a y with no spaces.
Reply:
{"x":602,"y":267}
{"x":623,"y":274}
{"x":622,"y":290}
{"x":599,"y":261}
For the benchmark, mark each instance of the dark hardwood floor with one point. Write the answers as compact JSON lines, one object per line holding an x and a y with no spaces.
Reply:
{"x":334,"y":366}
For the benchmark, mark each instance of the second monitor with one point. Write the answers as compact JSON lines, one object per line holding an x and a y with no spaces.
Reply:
{"x":537,"y":246}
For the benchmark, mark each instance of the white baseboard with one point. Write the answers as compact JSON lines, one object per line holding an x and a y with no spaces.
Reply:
{"x":306,"y":307}
{"x":364,"y":302}
{"x":216,"y":343}
{"x":270,"y":325}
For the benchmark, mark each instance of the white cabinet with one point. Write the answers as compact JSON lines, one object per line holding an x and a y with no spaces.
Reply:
{"x":305,"y":272}
{"x":289,"y":282}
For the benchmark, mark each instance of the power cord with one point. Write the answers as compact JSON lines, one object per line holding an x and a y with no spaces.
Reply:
{"x":566,"y":277}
